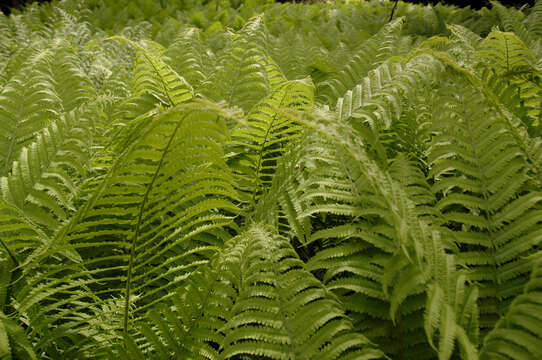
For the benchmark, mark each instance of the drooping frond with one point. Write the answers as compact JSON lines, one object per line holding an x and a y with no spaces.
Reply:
{"x":256,"y":301}
{"x":379,"y":257}
{"x":250,"y":180}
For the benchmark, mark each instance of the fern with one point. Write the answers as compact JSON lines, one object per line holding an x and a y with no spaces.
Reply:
{"x":135,"y":211}
{"x":371,"y":54}
{"x":245,"y":73}
{"x":254,"y":180}
{"x":27,"y":104}
{"x":269,"y":297}
{"x":482,"y":180}
{"x":362,"y":261}
{"x":43,"y":181}
{"x":190,"y":59}
{"x":517,"y":334}
{"x":13,"y":340}
{"x":257,"y":146}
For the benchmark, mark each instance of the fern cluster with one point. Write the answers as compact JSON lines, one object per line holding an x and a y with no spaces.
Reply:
{"x":231,"y":179}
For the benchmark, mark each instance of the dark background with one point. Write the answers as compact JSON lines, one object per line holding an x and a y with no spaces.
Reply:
{"x":7,"y":5}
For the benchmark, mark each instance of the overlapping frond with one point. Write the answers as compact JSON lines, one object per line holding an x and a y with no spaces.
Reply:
{"x":371,"y":53}
{"x":140,"y":234}
{"x":257,"y":145}
{"x":256,"y":181}
{"x":256,"y":300}
{"x":481,"y":179}
{"x":154,"y":77}
{"x":379,"y":257}
{"x":28,"y":103}
{"x":187,"y":55}
{"x":245,"y":73}
{"x":378,"y":100}
{"x":43,"y":180}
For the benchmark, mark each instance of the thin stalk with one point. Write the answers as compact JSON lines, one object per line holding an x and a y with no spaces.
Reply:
{"x":393,"y":10}
{"x":136,"y":231}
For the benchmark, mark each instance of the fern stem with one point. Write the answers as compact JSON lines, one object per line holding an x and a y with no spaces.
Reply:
{"x":136,"y":231}
{"x":393,"y":10}
{"x":172,"y":103}
{"x":9,"y":252}
{"x":260,"y":154}
{"x":486,"y":211}
{"x":8,"y":156}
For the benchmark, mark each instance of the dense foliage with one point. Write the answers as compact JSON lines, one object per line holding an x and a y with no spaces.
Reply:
{"x":251,"y":180}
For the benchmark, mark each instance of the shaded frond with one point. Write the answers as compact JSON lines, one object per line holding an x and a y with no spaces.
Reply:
{"x":257,"y":300}
{"x":518,"y":334}
{"x":245,"y":73}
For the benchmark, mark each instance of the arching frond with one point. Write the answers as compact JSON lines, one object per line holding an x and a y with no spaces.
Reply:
{"x":140,"y":234}
{"x":259,"y":301}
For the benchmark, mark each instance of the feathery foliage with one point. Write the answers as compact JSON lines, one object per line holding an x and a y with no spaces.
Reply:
{"x":252,"y":180}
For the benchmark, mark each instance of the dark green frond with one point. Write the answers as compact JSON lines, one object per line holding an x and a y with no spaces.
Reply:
{"x":518,"y":334}
{"x":256,"y":301}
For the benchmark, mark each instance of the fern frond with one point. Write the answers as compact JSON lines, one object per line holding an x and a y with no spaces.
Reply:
{"x":491,"y":208}
{"x":518,"y":333}
{"x":371,"y":54}
{"x":534,"y":20}
{"x":511,"y":20}
{"x":377,"y":101}
{"x":13,"y":340}
{"x":381,"y":260}
{"x":152,"y":75}
{"x":267,"y":300}
{"x":245,"y":73}
{"x":187,"y":56}
{"x":43,"y":181}
{"x":257,"y":146}
{"x":141,"y":234}
{"x":28,"y":103}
